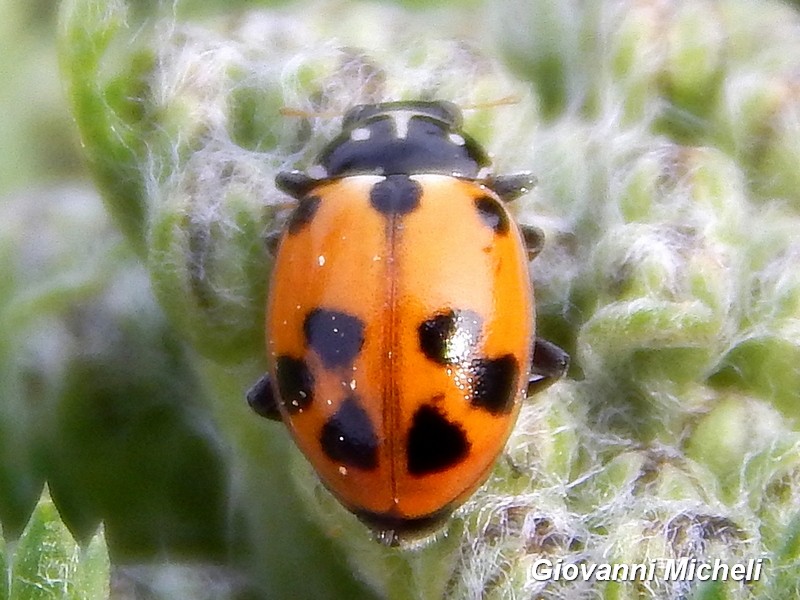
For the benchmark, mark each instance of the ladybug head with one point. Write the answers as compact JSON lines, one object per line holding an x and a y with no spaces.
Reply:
{"x":403,"y":138}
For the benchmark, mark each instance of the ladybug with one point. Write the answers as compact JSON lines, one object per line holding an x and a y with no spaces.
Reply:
{"x":400,"y":321}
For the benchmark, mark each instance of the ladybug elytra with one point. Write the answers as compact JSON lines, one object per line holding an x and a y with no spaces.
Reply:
{"x":400,"y":322}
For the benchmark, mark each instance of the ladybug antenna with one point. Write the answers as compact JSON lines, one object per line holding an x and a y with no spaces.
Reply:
{"x":504,"y":101}
{"x":288,"y":111}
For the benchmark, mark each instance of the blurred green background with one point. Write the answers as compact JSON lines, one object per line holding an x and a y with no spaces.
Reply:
{"x":95,"y":392}
{"x":96,"y":395}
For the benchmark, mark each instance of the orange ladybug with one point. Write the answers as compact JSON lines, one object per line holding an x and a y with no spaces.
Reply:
{"x":400,"y":322}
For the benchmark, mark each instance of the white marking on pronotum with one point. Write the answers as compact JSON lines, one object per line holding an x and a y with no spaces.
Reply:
{"x":317,"y":172}
{"x":401,"y":120}
{"x":458,"y":140}
{"x":360,"y":134}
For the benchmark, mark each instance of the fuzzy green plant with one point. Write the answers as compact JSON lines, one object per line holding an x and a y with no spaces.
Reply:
{"x":665,"y":139}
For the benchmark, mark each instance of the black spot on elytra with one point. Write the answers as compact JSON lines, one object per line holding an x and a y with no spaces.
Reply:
{"x":492,"y":214}
{"x":495,"y":383}
{"x":434,"y":443}
{"x":335,"y":336}
{"x":396,"y":195}
{"x":295,"y":383}
{"x":303,"y":214}
{"x":450,"y":337}
{"x":348,"y":436}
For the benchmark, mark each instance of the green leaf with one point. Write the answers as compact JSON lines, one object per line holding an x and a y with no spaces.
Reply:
{"x":106,"y":80}
{"x":48,"y":563}
{"x":4,"y":567}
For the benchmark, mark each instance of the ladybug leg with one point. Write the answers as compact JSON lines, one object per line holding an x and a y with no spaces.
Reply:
{"x":534,"y":240}
{"x":262,"y":399}
{"x":511,"y":187}
{"x":295,"y":183}
{"x":548,"y":365}
{"x":272,"y":242}
{"x":516,"y":470}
